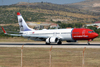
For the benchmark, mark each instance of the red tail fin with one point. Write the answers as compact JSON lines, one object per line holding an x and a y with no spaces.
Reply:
{"x":18,"y":13}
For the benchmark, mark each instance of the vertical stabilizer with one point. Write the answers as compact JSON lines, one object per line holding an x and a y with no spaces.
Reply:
{"x":22,"y":24}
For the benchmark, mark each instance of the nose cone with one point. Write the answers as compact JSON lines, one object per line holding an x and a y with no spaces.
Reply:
{"x":96,"y":35}
{"x":93,"y":35}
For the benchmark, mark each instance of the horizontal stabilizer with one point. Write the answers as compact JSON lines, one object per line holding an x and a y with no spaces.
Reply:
{"x":10,"y":34}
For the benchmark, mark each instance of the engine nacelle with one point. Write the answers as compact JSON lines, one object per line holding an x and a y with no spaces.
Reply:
{"x":72,"y":41}
{"x":52,"y":40}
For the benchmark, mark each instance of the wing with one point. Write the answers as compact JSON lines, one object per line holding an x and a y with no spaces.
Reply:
{"x":32,"y":37}
{"x":36,"y":37}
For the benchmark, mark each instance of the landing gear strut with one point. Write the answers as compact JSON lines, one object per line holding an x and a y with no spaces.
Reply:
{"x":89,"y":41}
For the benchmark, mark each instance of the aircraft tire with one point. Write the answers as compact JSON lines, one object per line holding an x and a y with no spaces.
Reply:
{"x":47,"y":43}
{"x":59,"y":43}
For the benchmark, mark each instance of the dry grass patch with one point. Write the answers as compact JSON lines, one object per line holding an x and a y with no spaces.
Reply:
{"x":39,"y":57}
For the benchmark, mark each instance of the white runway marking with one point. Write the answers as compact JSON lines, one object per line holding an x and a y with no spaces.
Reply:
{"x":53,"y":46}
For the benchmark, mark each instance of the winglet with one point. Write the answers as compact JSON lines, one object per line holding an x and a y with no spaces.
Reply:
{"x":4,"y":30}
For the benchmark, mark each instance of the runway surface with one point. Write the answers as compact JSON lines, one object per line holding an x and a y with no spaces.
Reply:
{"x":43,"y":45}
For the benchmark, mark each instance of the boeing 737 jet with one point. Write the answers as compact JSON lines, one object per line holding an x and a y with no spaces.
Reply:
{"x":53,"y":35}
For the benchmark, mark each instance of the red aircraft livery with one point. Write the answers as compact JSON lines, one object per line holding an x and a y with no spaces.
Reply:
{"x":83,"y":34}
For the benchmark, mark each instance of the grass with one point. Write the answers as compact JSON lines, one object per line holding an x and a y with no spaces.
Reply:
{"x":39,"y":57}
{"x":97,"y":39}
{"x":15,"y":39}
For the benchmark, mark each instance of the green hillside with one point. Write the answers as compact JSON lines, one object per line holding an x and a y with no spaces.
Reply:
{"x":45,"y":11}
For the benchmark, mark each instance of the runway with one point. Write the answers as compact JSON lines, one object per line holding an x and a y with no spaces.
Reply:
{"x":43,"y":45}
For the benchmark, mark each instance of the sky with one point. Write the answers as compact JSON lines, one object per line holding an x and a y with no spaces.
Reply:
{"x":9,"y":2}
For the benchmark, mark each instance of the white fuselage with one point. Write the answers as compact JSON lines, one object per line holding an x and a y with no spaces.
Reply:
{"x":64,"y":34}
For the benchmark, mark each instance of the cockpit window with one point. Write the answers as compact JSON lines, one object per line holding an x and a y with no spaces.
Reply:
{"x":90,"y":31}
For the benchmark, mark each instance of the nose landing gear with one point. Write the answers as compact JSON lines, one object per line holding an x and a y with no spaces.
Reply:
{"x":89,"y":41}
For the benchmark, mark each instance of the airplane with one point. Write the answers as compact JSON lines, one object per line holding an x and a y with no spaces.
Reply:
{"x":53,"y":35}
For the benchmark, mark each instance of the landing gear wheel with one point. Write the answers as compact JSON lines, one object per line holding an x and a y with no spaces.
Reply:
{"x":89,"y":41}
{"x":47,"y":43}
{"x":59,"y":43}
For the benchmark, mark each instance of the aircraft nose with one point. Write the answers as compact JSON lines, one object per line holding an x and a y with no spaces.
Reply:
{"x":96,"y":35}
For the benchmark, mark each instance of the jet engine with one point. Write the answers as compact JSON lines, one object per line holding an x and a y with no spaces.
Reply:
{"x":52,"y":40}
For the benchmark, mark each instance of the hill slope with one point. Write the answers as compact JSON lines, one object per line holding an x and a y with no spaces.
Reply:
{"x":91,"y":5}
{"x":45,"y":12}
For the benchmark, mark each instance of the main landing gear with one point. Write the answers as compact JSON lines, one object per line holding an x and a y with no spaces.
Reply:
{"x":47,"y":43}
{"x":59,"y":43}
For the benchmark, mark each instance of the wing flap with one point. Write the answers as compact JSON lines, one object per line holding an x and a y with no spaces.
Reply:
{"x":38,"y":36}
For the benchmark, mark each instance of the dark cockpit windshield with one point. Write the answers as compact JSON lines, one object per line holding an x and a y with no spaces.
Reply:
{"x":90,"y":31}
